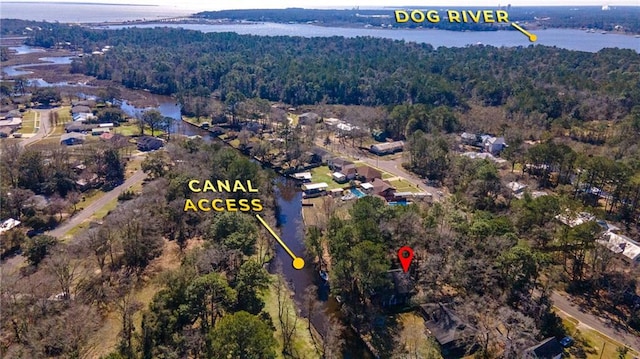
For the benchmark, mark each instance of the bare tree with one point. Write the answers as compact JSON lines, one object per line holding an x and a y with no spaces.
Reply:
{"x":63,"y":268}
{"x":287,"y":316}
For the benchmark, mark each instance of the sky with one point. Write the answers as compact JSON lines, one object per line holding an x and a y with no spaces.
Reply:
{"x":275,"y":4}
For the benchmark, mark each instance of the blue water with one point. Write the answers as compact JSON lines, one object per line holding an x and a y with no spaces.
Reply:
{"x":399,"y":203}
{"x":358,"y":193}
{"x":569,"y":39}
{"x":82,"y":13}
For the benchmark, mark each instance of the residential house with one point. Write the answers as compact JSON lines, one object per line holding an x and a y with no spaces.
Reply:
{"x":72,"y":138}
{"x":337,"y":164}
{"x":308,"y":118}
{"x":400,"y":293}
{"x":80,"y":109}
{"x":451,"y":332}
{"x":494,"y":145}
{"x":549,"y":348}
{"x":77,"y":126}
{"x":314,"y":189}
{"x":148,"y":143}
{"x":575,"y":219}
{"x":624,"y":245}
{"x":387,"y":148}
{"x":320,"y":155}
{"x":351,"y":171}
{"x":383,"y":189}
{"x":12,"y":122}
{"x":8,"y":224}
{"x":368,"y":174}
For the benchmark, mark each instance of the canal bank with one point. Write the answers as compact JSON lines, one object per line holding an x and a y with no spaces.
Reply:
{"x":291,"y":226}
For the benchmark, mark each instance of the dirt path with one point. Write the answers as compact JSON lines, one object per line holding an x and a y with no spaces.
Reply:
{"x":602,"y":325}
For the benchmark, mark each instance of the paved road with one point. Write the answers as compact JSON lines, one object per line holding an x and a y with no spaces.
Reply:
{"x":44,"y":128}
{"x":87,"y":212}
{"x":602,"y":325}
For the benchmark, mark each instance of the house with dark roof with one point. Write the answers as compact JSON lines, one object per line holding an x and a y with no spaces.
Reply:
{"x":383,"y":189}
{"x":337,"y":164}
{"x":80,"y":109}
{"x":72,"y":138}
{"x":549,"y":348}
{"x":308,"y":118}
{"x":400,"y":292}
{"x":450,"y":331}
{"x":148,"y":143}
{"x":368,"y":174}
{"x":320,"y":155}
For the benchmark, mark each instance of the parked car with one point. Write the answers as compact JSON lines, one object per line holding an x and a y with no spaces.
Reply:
{"x":566,"y":342}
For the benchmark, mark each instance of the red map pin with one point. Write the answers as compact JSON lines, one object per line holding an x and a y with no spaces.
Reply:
{"x":405,"y":254}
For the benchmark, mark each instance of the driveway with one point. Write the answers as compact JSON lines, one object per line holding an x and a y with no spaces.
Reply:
{"x":602,"y":325}
{"x":86,"y":213}
{"x":44,"y":129}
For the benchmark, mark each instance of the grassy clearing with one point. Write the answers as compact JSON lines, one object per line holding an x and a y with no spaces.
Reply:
{"x":413,"y":337}
{"x":590,"y":343}
{"x":28,"y":123}
{"x":303,"y":346}
{"x":127,"y":130}
{"x":323,"y":174}
{"x":404,"y":186}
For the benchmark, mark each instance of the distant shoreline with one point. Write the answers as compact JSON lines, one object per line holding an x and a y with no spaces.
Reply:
{"x":76,"y":3}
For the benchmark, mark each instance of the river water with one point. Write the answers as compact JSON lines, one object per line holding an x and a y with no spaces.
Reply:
{"x":564,"y":38}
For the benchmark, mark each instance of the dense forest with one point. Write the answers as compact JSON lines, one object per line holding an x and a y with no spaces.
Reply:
{"x":541,"y":83}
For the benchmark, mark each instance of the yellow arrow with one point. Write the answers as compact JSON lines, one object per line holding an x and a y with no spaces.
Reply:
{"x":298,"y":263}
{"x":531,"y":36}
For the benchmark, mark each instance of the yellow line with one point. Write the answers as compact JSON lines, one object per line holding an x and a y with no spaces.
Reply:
{"x":531,"y":36}
{"x":276,"y":237}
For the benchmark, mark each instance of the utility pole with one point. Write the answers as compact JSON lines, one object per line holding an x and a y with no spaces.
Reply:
{"x":603,"y":345}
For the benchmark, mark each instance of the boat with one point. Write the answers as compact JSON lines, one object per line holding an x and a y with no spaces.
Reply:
{"x":324,"y":275}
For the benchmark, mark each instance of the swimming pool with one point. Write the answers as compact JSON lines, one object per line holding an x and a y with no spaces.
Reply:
{"x":399,"y":203}
{"x":358,"y":193}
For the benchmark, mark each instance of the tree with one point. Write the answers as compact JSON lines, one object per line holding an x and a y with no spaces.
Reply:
{"x":244,"y":336}
{"x":153,"y":119}
{"x":113,"y":169}
{"x":155,"y":165}
{"x":37,"y":248}
{"x":252,"y":278}
{"x":208,"y":297}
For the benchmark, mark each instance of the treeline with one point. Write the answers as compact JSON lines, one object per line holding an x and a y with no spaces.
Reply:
{"x":540,"y":83}
{"x":555,"y":16}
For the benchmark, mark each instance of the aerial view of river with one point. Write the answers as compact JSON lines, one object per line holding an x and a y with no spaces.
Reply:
{"x":564,"y":38}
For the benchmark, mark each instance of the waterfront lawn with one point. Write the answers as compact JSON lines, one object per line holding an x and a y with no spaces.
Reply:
{"x":28,"y":123}
{"x":127,"y":130}
{"x":303,"y":344}
{"x":323,"y":174}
